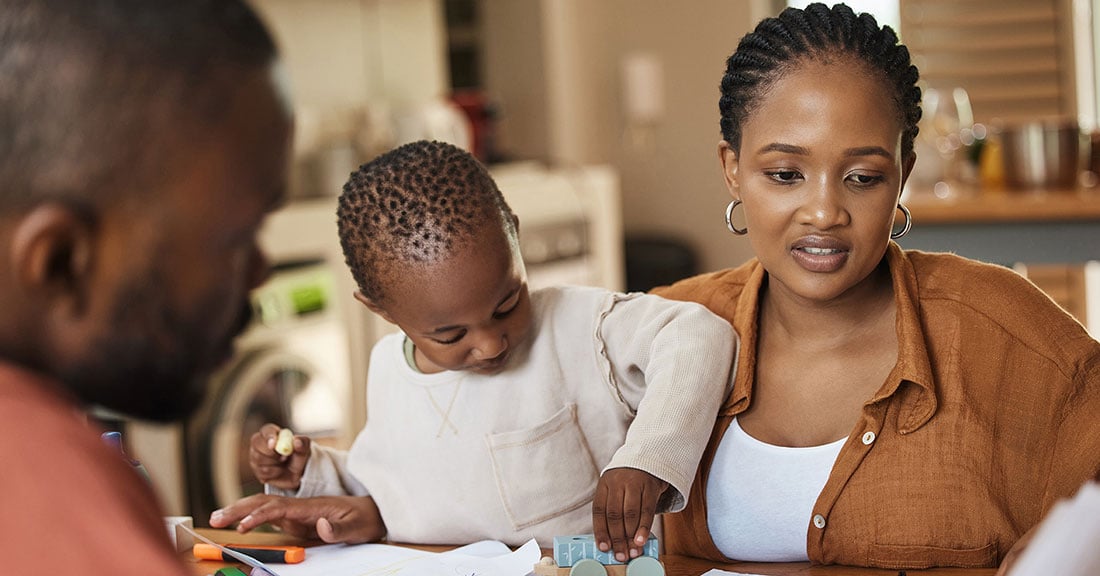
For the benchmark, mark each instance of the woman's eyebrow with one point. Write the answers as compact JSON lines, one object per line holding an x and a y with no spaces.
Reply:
{"x":869,"y":151}
{"x":786,"y":148}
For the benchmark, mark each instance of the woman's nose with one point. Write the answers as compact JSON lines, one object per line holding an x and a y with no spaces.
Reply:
{"x":824,"y":207}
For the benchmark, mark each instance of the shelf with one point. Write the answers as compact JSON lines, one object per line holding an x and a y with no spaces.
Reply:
{"x":1005,"y":206}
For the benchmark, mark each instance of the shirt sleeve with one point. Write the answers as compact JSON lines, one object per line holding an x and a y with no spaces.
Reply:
{"x":671,"y":363}
{"x":326,"y":474}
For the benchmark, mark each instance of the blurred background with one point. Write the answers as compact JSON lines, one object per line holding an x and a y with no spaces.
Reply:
{"x":599,"y":121}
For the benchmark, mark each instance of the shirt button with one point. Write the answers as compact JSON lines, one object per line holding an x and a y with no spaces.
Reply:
{"x":819,"y":520}
{"x":868,"y":437}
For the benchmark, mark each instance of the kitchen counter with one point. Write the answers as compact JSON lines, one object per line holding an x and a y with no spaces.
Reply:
{"x":1006,"y":206}
{"x":1002,"y":227}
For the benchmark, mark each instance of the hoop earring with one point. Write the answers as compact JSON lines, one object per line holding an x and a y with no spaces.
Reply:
{"x":908,"y":223}
{"x":729,"y":219}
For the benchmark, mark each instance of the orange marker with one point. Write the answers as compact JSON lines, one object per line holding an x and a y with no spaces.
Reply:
{"x":265,"y":554}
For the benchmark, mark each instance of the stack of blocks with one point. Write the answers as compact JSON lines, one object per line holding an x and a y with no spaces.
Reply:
{"x":579,"y":556}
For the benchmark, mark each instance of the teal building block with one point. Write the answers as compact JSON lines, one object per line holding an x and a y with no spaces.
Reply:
{"x":568,"y":550}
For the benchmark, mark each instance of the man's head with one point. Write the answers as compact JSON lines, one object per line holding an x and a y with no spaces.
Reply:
{"x":141,"y":144}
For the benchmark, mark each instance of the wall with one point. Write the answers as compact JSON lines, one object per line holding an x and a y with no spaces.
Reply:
{"x":671,"y":180}
{"x":352,"y":52}
{"x":555,"y":66}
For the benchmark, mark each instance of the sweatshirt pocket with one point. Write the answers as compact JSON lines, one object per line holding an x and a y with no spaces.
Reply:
{"x":543,"y":471}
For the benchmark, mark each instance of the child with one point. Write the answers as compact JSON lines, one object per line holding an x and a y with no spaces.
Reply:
{"x":494,"y":411}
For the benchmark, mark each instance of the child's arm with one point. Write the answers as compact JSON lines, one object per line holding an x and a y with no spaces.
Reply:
{"x":671,"y":363}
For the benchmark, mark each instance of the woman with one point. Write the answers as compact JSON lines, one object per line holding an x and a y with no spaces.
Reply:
{"x":891,"y":409}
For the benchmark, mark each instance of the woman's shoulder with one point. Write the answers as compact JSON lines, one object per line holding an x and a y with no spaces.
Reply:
{"x":993,"y":293}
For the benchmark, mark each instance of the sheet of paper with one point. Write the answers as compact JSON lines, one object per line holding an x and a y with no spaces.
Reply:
{"x":479,"y":559}
{"x":717,"y":572}
{"x":1065,"y":542}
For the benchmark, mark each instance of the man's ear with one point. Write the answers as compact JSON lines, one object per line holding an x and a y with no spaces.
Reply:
{"x":52,"y":255}
{"x":374,"y":306}
{"x":728,"y":158}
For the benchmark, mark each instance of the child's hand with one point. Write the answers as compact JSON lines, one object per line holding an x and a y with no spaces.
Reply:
{"x":272,"y":468}
{"x":623,"y":510}
{"x":334,"y":519}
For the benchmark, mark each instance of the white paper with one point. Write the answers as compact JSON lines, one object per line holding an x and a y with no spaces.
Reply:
{"x":717,"y":572}
{"x":1066,"y":541}
{"x":488,"y":558}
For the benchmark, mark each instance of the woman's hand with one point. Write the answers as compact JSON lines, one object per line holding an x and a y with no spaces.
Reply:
{"x":343,"y":519}
{"x":272,"y":468}
{"x":623,"y":510}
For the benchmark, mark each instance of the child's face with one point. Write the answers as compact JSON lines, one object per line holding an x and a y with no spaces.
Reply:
{"x":469,"y":311}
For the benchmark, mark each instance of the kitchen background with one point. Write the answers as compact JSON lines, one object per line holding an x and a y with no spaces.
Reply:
{"x":598,"y":118}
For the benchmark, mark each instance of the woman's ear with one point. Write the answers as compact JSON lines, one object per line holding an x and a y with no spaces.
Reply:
{"x":52,"y":256}
{"x":907,"y":169}
{"x":373,"y":306}
{"x":728,"y":158}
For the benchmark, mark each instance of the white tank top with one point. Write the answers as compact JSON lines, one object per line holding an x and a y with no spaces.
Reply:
{"x":760,"y":497}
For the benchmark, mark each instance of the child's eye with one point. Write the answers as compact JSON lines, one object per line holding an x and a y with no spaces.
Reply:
{"x":510,"y":307}
{"x":458,"y":336}
{"x":504,"y":313}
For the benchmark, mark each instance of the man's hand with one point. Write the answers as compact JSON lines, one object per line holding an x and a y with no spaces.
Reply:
{"x":623,"y":510}
{"x":344,"y":519}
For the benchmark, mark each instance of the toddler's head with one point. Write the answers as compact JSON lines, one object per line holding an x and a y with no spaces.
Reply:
{"x":434,"y":248}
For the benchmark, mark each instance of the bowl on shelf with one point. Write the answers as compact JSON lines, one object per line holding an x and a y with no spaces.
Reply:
{"x":1044,"y":155}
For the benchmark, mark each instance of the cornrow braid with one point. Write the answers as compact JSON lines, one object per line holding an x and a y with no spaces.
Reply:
{"x":414,"y":204}
{"x":779,"y":45}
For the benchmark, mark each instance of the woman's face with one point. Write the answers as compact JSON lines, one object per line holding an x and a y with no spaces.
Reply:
{"x":819,"y":174}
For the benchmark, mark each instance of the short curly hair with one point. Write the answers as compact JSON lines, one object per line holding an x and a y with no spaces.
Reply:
{"x":415,"y":204}
{"x":779,"y":45}
{"x":94,"y":94}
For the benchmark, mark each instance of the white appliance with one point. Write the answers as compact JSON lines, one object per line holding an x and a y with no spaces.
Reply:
{"x":570,"y":222}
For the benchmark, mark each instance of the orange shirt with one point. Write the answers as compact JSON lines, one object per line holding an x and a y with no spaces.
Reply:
{"x":991,"y":414}
{"x":68,"y":503}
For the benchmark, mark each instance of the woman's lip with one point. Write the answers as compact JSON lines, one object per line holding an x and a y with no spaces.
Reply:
{"x":826,"y":260}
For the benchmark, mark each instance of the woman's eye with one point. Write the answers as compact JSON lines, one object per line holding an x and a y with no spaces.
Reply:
{"x":784,"y":176}
{"x":866,"y":179}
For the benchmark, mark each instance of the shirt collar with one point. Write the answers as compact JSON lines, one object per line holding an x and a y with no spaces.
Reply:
{"x":918,"y":400}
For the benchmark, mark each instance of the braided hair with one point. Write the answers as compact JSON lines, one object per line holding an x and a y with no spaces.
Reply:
{"x":414,"y":204}
{"x":780,"y":45}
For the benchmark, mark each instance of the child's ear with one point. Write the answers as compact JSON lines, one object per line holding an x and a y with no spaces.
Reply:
{"x":373,"y":306}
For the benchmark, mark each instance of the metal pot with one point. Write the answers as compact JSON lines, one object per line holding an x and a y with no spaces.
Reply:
{"x":1044,"y":155}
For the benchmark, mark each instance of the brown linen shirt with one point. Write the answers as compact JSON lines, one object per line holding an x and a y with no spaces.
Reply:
{"x":991,"y":414}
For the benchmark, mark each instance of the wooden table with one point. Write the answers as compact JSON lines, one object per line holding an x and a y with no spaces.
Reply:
{"x":674,"y":565}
